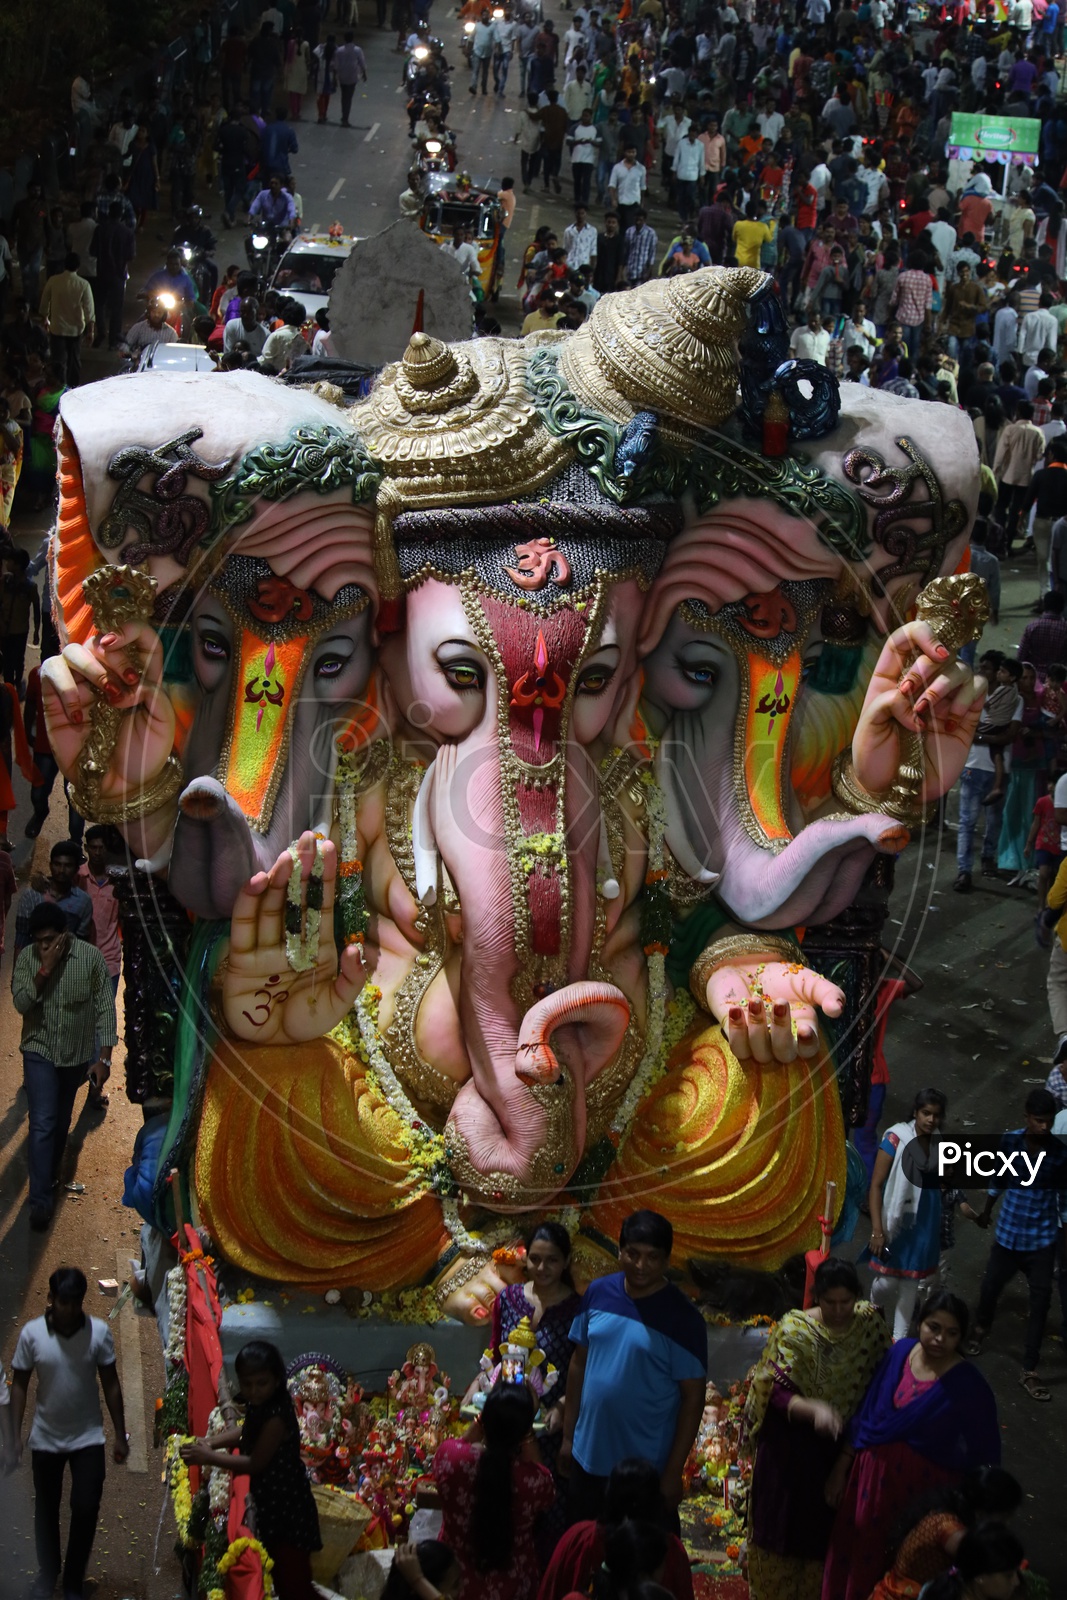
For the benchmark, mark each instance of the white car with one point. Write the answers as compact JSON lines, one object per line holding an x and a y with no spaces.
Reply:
{"x":309,"y":266}
{"x":177,"y":358}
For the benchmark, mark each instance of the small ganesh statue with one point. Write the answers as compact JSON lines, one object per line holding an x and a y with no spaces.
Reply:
{"x":419,"y":1383}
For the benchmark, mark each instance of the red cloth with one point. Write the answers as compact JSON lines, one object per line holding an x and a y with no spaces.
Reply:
{"x":883,"y":1483}
{"x":889,"y":991}
{"x":203,"y":1352}
{"x":244,"y":1581}
{"x":578,"y":1557}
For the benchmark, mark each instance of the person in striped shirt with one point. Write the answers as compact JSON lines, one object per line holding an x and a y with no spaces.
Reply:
{"x":62,"y":992}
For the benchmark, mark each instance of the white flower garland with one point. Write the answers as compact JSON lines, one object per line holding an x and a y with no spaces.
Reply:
{"x":651,"y":1061}
{"x":302,"y":949}
{"x":218,"y":1483}
{"x":177,"y":1299}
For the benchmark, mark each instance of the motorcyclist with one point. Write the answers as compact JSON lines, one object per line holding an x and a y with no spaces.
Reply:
{"x":273,"y":212}
{"x":194,"y":233}
{"x":172,"y":279}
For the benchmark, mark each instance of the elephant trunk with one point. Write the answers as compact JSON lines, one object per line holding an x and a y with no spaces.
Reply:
{"x":809,"y":879}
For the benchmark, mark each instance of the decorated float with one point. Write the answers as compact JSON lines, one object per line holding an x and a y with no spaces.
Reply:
{"x":495,"y":754}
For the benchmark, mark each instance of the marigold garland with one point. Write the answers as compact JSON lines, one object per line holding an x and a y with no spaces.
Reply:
{"x":234,"y":1553}
{"x":176,"y":1477}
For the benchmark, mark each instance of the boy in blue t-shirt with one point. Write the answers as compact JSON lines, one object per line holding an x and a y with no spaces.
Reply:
{"x":636,"y":1381}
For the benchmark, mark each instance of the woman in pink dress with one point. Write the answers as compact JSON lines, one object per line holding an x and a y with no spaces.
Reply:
{"x":491,"y":1495}
{"x":928,"y":1419}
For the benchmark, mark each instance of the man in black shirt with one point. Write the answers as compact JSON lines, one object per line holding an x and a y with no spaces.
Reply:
{"x":609,"y":250}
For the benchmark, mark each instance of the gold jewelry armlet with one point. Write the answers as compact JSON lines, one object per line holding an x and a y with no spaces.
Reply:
{"x":901,"y":803}
{"x":458,"y":1276}
{"x":749,"y":949}
{"x":152,"y":798}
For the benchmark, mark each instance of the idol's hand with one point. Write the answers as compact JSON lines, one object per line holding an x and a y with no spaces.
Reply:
{"x":263,"y":998}
{"x":758,"y":1008}
{"x":124,"y":669}
{"x":937,"y":697}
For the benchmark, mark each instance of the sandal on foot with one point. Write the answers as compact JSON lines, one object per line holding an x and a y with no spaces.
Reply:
{"x":974,"y":1344}
{"x":1034,"y":1387}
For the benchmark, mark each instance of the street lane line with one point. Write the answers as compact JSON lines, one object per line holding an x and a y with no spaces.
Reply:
{"x":131,"y":1374}
{"x":336,"y":190}
{"x":371,"y":132}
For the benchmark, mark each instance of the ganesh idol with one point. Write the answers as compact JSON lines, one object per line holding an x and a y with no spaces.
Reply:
{"x":503,"y":732}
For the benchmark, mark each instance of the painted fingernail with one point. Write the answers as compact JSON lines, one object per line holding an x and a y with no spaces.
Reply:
{"x":781,"y":1009}
{"x":906,"y":685}
{"x":111,"y":691}
{"x":736,"y":1014}
{"x":943,"y":651}
{"x":108,"y":639}
{"x":129,"y":676}
{"x":479,"y":1314}
{"x":950,"y":724}
{"x":755,"y":1007}
{"x":75,"y":716}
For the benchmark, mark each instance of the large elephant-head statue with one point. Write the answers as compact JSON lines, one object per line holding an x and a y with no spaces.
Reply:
{"x":500,"y":730}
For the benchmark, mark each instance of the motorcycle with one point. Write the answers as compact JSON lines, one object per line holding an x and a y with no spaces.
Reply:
{"x":264,"y":248}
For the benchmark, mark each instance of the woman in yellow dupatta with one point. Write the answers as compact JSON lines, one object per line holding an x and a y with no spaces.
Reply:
{"x":813,"y":1374}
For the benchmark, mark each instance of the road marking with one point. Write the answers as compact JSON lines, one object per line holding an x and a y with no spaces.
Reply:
{"x":371,"y":132}
{"x":336,"y":190}
{"x":131,"y":1374}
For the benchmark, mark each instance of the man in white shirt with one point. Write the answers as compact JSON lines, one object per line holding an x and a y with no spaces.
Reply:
{"x":943,"y":235}
{"x":577,"y":95}
{"x":579,"y":241}
{"x":573,"y":39}
{"x":689,"y":159}
{"x":817,"y":12}
{"x":820,"y":178}
{"x":859,"y":329}
{"x":673,"y":127}
{"x":1039,"y":331}
{"x":770,"y":122}
{"x":626,"y":187}
{"x":153,"y":328}
{"x":462,"y":249}
{"x":68,"y":1351}
{"x":810,"y":342}
{"x":584,"y":142}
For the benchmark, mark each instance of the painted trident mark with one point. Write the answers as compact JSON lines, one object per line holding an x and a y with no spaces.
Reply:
{"x":539,"y":562}
{"x":265,"y":691}
{"x":539,"y":695}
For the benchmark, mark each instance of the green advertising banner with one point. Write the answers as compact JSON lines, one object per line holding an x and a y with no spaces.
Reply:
{"x":975,"y":137}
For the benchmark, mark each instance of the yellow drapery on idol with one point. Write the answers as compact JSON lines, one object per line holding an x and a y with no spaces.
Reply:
{"x":303,"y":1173}
{"x":736,"y":1154}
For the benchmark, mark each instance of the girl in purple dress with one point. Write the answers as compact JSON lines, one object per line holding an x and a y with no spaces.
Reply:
{"x":550,"y":1301}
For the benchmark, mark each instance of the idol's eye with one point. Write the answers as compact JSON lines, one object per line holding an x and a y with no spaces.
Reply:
{"x":463,"y":675}
{"x":595,"y":679}
{"x":214,"y":646}
{"x":330,"y":666}
{"x":704,"y":676}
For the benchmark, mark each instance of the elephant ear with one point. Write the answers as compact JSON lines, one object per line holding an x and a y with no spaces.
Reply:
{"x":74,"y":554}
{"x":320,"y":542}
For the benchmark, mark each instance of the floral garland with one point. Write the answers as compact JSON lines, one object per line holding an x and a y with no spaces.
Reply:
{"x":350,"y":896}
{"x":234,"y":1553}
{"x":302,"y":933}
{"x":177,"y":1301}
{"x":655,"y":938}
{"x":176,"y":1477}
{"x":542,"y":852}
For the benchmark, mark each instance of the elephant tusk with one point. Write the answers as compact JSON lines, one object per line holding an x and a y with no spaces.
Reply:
{"x":675,"y":835}
{"x":161,"y":858}
{"x":605,"y":872}
{"x":423,"y":844}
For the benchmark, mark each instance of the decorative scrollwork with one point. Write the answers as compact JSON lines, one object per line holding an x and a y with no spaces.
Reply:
{"x":889,"y":492}
{"x":593,"y":438}
{"x":168,"y":521}
{"x":319,"y":459}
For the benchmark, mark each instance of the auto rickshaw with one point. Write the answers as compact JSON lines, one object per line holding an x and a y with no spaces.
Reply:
{"x":462,"y":205}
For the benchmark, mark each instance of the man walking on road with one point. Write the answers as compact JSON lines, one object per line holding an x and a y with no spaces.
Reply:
{"x":350,"y":68}
{"x":67,"y":1350}
{"x":116,"y":246}
{"x":62,"y":991}
{"x":67,"y":307}
{"x":481,"y":51}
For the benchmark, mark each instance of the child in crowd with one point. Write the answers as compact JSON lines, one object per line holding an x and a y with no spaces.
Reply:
{"x":1043,"y":842}
{"x":426,"y":1571}
{"x":996,"y":714}
{"x":268,"y":1446}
